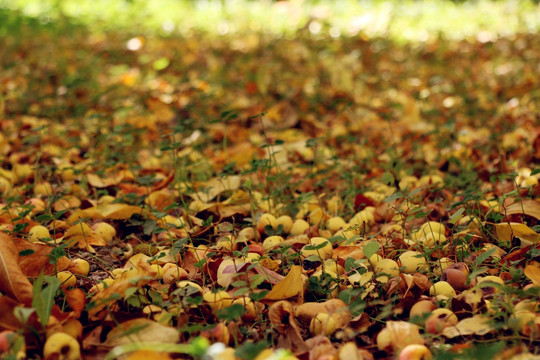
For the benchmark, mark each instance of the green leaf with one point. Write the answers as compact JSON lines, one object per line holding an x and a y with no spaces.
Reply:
{"x":161,"y":64}
{"x":456,"y":216}
{"x":535,"y":171}
{"x":233,"y":312}
{"x":250,"y":350}
{"x":371,"y":248}
{"x":26,"y":252}
{"x":44,"y":297}
{"x":387,"y":178}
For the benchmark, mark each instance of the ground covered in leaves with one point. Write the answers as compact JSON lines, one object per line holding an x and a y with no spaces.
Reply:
{"x":337,"y":198}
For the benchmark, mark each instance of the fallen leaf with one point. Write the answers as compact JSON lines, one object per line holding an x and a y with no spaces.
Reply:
{"x":291,"y":285}
{"x":506,"y":231}
{"x":142,"y":330}
{"x":476,"y":325}
{"x":39,"y":260}
{"x":527,"y":207}
{"x":281,"y":315}
{"x":13,"y":281}
{"x":216,"y":186}
{"x":532,"y":271}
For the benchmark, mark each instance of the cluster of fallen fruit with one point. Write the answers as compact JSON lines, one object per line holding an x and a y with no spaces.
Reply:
{"x":328,"y":247}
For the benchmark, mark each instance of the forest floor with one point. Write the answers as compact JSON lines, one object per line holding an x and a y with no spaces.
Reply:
{"x":222,"y":196}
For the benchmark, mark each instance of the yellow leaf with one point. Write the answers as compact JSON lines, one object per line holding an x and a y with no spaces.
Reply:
{"x":528,"y":207}
{"x":532,"y":271}
{"x":505,"y":231}
{"x":114,"y":211}
{"x":476,"y":325}
{"x":216,"y":186}
{"x":291,"y":285}
{"x":142,"y":330}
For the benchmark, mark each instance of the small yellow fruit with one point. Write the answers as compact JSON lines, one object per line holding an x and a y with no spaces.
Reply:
{"x":412,"y":261}
{"x":299,"y":227}
{"x":39,"y":233}
{"x":433,"y":227}
{"x":385,"y":269}
{"x":266,"y":220}
{"x":66,"y":278}
{"x":272,"y":242}
{"x":335,"y":223}
{"x":325,"y":252}
{"x":442,"y":288}
{"x":217,"y":300}
{"x":79,"y":267}
{"x":286,"y":222}
{"x":61,"y":346}
{"x":73,"y":327}
{"x":323,"y":324}
{"x":107,"y":231}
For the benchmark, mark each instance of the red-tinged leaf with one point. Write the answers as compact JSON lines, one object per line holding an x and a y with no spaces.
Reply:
{"x":7,"y":318}
{"x":13,"y":281}
{"x":361,"y":202}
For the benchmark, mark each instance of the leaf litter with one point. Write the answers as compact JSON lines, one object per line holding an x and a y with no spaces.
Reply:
{"x":261,"y":190}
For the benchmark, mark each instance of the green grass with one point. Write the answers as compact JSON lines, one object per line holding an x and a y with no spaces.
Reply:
{"x":401,"y":20}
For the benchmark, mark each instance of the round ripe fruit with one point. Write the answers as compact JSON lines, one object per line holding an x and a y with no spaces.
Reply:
{"x":421,"y":309}
{"x":335,"y":223}
{"x":66,"y":278}
{"x":385,"y":269}
{"x":217,"y":300}
{"x":412,"y":261}
{"x":442,"y":264}
{"x":325,"y":251}
{"x":322,"y":324}
{"x":272,"y":242}
{"x":173,"y":274}
{"x":73,"y":327}
{"x":107,"y":231}
{"x":374,"y":259}
{"x":433,"y":227}
{"x":39,"y":233}
{"x":286,"y":222}
{"x":79,"y":267}
{"x":456,"y":278}
{"x":158,"y":270}
{"x":415,"y":352}
{"x":439,"y":320}
{"x":251,"y":310}
{"x":492,"y":279}
{"x":186,"y":283}
{"x":266,"y":220}
{"x":442,"y":288}
{"x":226,"y":243}
{"x":299,"y":227}
{"x":61,"y":346}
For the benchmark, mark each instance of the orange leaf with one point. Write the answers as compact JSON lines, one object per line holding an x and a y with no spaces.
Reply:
{"x":505,"y":231}
{"x":76,"y":298}
{"x":32,"y":265}
{"x":13,"y":281}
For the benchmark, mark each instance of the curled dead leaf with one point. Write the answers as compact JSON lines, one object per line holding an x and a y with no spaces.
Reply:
{"x":13,"y":281}
{"x":142,"y":330}
{"x":292,"y":285}
{"x":476,"y":325}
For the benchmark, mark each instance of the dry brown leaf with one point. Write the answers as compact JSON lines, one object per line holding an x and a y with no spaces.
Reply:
{"x":476,"y":325}
{"x":13,"y":281}
{"x":7,"y":318}
{"x":527,"y":207}
{"x":506,"y":231}
{"x":148,"y":354}
{"x":291,"y":285}
{"x":142,"y":330}
{"x":532,"y":271}
{"x":281,"y":315}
